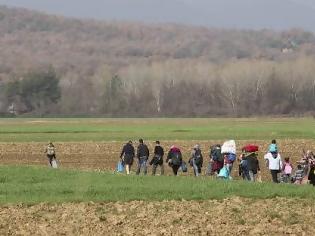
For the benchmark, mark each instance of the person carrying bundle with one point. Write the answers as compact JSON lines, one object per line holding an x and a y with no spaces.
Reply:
{"x":174,"y":159}
{"x":250,"y":153}
{"x":216,"y":161}
{"x":228,"y":150}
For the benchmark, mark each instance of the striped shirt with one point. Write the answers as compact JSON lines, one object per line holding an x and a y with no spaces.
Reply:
{"x":299,"y":174}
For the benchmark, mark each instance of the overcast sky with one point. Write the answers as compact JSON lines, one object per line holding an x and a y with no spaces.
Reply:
{"x":249,"y":14}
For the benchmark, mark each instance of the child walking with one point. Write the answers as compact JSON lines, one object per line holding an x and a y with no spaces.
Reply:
{"x":286,"y":170}
{"x":298,"y":175}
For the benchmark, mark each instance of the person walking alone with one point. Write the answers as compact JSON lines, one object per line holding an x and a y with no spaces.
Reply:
{"x":51,"y":153}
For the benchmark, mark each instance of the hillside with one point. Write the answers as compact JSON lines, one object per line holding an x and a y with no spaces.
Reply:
{"x":240,"y":14}
{"x":30,"y":38}
{"x":87,"y":54}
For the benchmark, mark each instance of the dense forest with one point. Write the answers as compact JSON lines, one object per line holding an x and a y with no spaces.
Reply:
{"x":54,"y":65}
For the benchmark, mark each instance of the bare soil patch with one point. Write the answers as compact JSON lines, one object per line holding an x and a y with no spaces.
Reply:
{"x":236,"y":216}
{"x":104,"y":155}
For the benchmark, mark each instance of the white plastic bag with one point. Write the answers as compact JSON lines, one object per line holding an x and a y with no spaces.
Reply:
{"x":54,"y":164}
{"x":229,"y":147}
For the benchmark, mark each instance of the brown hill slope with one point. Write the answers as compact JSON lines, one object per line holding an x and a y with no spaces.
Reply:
{"x":30,"y":38}
{"x":151,"y":61}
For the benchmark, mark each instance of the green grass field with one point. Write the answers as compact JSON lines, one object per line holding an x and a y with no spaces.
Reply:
{"x":65,"y":130}
{"x":37,"y":184}
{"x":34,"y":185}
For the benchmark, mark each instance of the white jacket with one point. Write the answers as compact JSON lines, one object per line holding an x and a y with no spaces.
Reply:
{"x":274,"y":163}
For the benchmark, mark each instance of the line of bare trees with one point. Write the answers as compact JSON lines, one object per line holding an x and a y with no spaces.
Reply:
{"x":173,"y":88}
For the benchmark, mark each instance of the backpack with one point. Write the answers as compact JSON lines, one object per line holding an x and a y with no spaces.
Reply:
{"x":287,"y":169}
{"x":215,"y":153}
{"x":176,"y":160}
{"x":50,"y":150}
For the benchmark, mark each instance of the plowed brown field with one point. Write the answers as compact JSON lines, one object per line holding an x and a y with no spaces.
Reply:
{"x":234,"y":216}
{"x":104,"y":156}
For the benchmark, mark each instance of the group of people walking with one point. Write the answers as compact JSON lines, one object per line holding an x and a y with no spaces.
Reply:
{"x":174,"y":157}
{"x":222,"y":158}
{"x":282,"y":171}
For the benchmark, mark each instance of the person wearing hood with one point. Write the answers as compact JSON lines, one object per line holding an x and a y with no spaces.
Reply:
{"x":196,"y":160}
{"x":174,"y":159}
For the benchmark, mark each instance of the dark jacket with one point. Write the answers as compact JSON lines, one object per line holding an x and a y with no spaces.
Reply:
{"x":311,"y":175}
{"x":143,"y":151}
{"x":128,"y":149}
{"x":158,"y":156}
{"x":159,"y":151}
{"x":253,"y":163}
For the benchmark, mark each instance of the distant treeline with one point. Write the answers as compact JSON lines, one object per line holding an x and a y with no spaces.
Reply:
{"x":54,"y":65}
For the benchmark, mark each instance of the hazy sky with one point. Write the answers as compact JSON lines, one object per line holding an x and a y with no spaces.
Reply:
{"x":253,"y":14}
